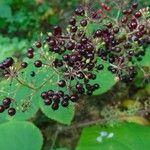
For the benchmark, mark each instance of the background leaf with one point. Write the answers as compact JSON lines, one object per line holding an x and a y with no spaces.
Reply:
{"x":20,"y":136}
{"x":126,"y":136}
{"x":146,"y":59}
{"x":5,"y":11}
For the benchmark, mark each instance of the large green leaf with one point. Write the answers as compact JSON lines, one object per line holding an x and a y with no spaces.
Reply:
{"x":127,"y":136}
{"x":26,"y":100}
{"x":106,"y":80}
{"x":146,"y":58}
{"x":20,"y":136}
{"x":62,"y":115}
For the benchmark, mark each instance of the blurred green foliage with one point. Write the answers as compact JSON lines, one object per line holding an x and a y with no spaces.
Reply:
{"x":25,"y":18}
{"x":22,"y":21}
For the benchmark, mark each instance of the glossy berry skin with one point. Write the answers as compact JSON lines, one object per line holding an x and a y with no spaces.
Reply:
{"x":50,"y":93}
{"x":70,"y":45}
{"x":30,"y":55}
{"x":134,"y":5}
{"x":83,"y":23}
{"x":47,"y":101}
{"x":44,"y":95}
{"x":66,"y":97}
{"x":52,"y":42}
{"x":2,"y":108}
{"x":57,"y":30}
{"x":74,"y":98}
{"x":64,"y":103}
{"x":24,"y":64}
{"x":8,"y":62}
{"x":62,"y":83}
{"x":138,"y":14}
{"x":55,"y":106}
{"x":73,"y":28}
{"x":38,"y":63}
{"x":98,"y":33}
{"x":80,"y":11}
{"x":11,"y":111}
{"x":6,"y":101}
{"x":80,"y":75}
{"x":30,"y":50}
{"x":38,"y":44}
{"x":72,"y":21}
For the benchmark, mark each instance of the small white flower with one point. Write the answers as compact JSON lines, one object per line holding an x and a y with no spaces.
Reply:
{"x":103,"y":133}
{"x":110,"y":135}
{"x":99,"y":139}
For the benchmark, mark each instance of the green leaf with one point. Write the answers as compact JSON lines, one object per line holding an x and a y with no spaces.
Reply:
{"x":26,"y":101}
{"x":10,"y":46}
{"x":62,"y":115}
{"x":20,"y":136}
{"x":126,"y":136}
{"x":146,"y":58}
{"x":50,"y":77}
{"x":5,"y":11}
{"x":63,"y":148}
{"x":106,"y":80}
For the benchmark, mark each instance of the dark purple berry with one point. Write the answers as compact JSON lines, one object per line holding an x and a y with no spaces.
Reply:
{"x":57,"y":30}
{"x":52,"y":42}
{"x":66,"y":97}
{"x":8,"y":62}
{"x":44,"y":95}
{"x":138,"y":14}
{"x":70,"y":45}
{"x":98,"y":33}
{"x":2,"y":108}
{"x":24,"y":64}
{"x":47,"y":101}
{"x":30,"y":50}
{"x":73,"y":28}
{"x":74,"y":98}
{"x":50,"y":93}
{"x":83,"y":22}
{"x":62,"y":83}
{"x":64,"y":103}
{"x":80,"y":11}
{"x":30,"y":55}
{"x":38,"y":63}
{"x":55,"y":106}
{"x":11,"y":111}
{"x":7,"y":101}
{"x":38,"y":44}
{"x":72,"y":21}
{"x":134,"y":5}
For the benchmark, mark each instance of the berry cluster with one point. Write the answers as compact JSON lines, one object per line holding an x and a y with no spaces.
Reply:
{"x":55,"y":97}
{"x":78,"y":56}
{"x":6,"y":105}
{"x":4,"y":66}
